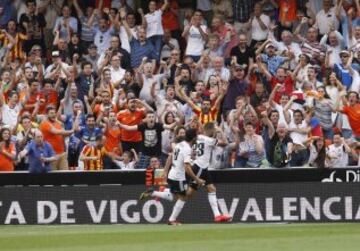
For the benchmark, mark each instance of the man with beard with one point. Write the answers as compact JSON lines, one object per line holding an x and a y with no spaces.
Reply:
{"x":151,"y":134}
{"x":132,"y":116}
{"x":55,"y":134}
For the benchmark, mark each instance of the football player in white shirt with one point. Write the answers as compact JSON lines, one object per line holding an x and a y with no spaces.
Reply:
{"x":181,"y":165}
{"x":205,"y":145}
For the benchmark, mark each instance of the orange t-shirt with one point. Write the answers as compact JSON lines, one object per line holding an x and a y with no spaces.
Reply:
{"x":56,"y":141}
{"x":353,"y":114}
{"x":106,"y":111}
{"x":112,"y":139}
{"x":130,"y":118}
{"x":6,"y":164}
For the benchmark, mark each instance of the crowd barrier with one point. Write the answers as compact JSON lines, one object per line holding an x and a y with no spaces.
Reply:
{"x":248,"y":195}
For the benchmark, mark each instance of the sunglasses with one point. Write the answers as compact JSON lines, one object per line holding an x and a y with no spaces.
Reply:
{"x":101,"y":39}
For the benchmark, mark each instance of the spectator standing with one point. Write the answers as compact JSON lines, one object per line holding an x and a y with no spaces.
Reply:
{"x":7,"y":151}
{"x":155,"y":31}
{"x":54,"y":133}
{"x":130,"y":117}
{"x":40,"y":153}
{"x":33,"y":23}
{"x":259,"y":26}
{"x":196,"y":35}
{"x":66,"y":24}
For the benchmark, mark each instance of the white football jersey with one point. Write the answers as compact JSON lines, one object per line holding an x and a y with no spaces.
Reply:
{"x":204,"y":148}
{"x":181,"y":155}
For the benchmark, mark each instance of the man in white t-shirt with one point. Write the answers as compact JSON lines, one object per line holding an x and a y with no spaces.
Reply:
{"x":196,"y":35}
{"x":147,"y":79}
{"x":169,"y":44}
{"x":117,"y":73}
{"x":326,"y":18}
{"x":259,"y":25}
{"x":218,"y":69}
{"x":155,"y":31}
{"x":299,"y":130}
{"x":11,"y":110}
{"x":337,"y":154}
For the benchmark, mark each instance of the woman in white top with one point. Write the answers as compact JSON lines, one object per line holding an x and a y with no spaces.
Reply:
{"x":154,"y":30}
{"x":259,"y":25}
{"x":196,"y":35}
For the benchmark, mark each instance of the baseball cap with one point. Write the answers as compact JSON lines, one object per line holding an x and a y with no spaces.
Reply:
{"x":55,"y":53}
{"x":270,"y":45}
{"x":344,"y":52}
{"x":239,"y":66}
{"x":35,"y":47}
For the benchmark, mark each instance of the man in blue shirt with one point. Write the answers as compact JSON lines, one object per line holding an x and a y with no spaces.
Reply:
{"x":40,"y":154}
{"x":87,"y":134}
{"x":345,"y":70}
{"x":270,"y":58}
{"x":140,"y":47}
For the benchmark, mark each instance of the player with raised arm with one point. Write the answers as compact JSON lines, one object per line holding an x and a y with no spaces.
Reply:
{"x":180,"y":166}
{"x":205,"y":145}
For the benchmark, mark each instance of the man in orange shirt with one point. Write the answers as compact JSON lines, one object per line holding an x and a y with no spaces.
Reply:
{"x":106,"y":106}
{"x":112,"y":143}
{"x":54,"y":133}
{"x":132,"y":116}
{"x":352,"y":110}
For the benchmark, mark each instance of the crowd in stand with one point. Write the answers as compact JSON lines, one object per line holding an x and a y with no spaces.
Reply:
{"x":92,"y":85}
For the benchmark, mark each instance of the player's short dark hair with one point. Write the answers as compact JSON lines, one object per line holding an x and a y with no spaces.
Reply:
{"x":190,"y":135}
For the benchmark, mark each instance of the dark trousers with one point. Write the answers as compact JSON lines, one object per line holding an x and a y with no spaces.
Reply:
{"x":128,"y":145}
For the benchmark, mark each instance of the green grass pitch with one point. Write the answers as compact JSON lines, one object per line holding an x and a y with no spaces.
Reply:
{"x":227,"y":237}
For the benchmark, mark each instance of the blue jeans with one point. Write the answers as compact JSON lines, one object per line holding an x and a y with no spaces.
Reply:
{"x":195,"y":58}
{"x":347,"y":133}
{"x":328,"y":134}
{"x":157,"y":42}
{"x":240,"y":162}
